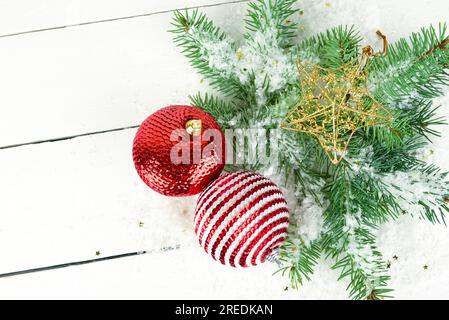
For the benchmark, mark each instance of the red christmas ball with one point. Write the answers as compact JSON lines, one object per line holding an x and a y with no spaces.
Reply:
{"x":179,"y":150}
{"x":241,"y":218}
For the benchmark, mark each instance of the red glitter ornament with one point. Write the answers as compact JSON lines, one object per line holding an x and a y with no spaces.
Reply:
{"x":179,"y":150}
{"x":241,"y":218}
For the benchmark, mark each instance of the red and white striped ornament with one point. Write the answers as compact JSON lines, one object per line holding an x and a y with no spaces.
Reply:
{"x":240,"y":218}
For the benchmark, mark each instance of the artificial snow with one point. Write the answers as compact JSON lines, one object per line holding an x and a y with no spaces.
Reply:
{"x":412,"y":189}
{"x":260,"y":55}
{"x":309,"y":219}
{"x":82,"y":195}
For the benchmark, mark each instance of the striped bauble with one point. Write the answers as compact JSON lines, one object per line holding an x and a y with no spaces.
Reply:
{"x":240,"y":218}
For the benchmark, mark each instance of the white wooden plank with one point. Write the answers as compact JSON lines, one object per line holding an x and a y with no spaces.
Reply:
{"x":18,"y":16}
{"x":190,"y":274}
{"x":64,"y":201}
{"x":95,"y":77}
{"x":184,"y":274}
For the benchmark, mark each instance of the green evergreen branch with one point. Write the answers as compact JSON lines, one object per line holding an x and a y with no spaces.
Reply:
{"x":190,"y":29}
{"x":422,"y":119}
{"x":299,"y":268}
{"x":223,"y":112}
{"x":351,"y":215}
{"x":333,"y":48}
{"x":264,"y":15}
{"x":362,"y":286}
{"x":434,"y":207}
{"x":395,"y":144}
{"x":298,"y":152}
{"x":417,"y":66}
{"x":400,"y":158}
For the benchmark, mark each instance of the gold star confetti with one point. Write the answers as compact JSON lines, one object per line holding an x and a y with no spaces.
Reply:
{"x":426,"y":267}
{"x":239,"y":55}
{"x":333,"y":105}
{"x":97,"y":253}
{"x":395,"y":257}
{"x":141,"y":224}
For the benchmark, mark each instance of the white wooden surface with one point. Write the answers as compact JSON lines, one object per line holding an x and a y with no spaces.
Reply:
{"x":64,"y":201}
{"x":21,"y":16}
{"x":91,"y":77}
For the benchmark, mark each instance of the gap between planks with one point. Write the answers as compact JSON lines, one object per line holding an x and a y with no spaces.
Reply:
{"x":120,"y":18}
{"x":67,"y":137}
{"x":90,"y":261}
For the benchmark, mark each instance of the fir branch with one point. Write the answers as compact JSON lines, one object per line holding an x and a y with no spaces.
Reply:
{"x":400,"y":158}
{"x":430,"y":203}
{"x":435,"y":206}
{"x":354,"y":182}
{"x":264,"y":15}
{"x":192,"y":31}
{"x":417,"y":66}
{"x":348,"y":239}
{"x":361,"y":285}
{"x":333,"y":48}
{"x":442,"y":45}
{"x":223,"y":112}
{"x":395,"y":146}
{"x":298,"y":158}
{"x":416,"y":121}
{"x":299,"y":268}
{"x":422,"y":118}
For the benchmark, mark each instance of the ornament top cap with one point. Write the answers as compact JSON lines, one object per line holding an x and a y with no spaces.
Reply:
{"x":194,"y":127}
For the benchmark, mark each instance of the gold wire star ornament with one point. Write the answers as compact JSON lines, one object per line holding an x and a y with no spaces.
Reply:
{"x":333,"y":105}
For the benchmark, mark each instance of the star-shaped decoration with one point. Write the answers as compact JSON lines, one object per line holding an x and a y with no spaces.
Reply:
{"x":333,"y":105}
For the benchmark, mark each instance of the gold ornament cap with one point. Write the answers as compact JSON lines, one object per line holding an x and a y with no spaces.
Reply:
{"x":194,"y":127}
